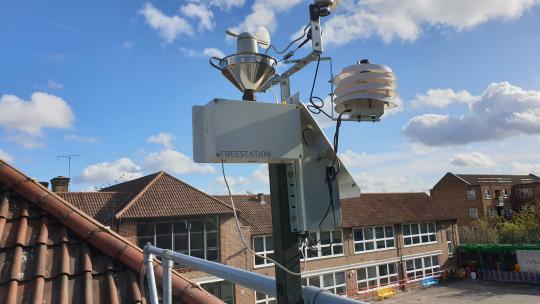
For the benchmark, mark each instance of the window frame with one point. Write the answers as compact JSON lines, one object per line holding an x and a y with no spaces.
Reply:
{"x":469,"y":196}
{"x":377,"y":277}
{"x":433,"y":269}
{"x":188,"y":223}
{"x":487,"y":194}
{"x":374,"y":239}
{"x":319,"y":246}
{"x":265,"y":252}
{"x":332,"y":288}
{"x":473,"y":215}
{"x":267,"y":299}
{"x":420,"y":234}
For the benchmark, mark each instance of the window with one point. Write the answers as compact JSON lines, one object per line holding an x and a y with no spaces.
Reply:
{"x":422,"y":267}
{"x":505,"y":193}
{"x":195,"y":237}
{"x":421,"y":233}
{"x":373,"y":238}
{"x":471,"y":194}
{"x":265,"y":299}
{"x":263,"y":245}
{"x":376,"y":276}
{"x":322,"y":244}
{"x":488,"y":194}
{"x":222,"y":290}
{"x":524,"y":192}
{"x":473,"y":213}
{"x":450,"y":241}
{"x":491,"y":212}
{"x":333,"y":282}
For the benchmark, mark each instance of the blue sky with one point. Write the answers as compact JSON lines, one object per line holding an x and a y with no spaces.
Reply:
{"x":115,"y":81}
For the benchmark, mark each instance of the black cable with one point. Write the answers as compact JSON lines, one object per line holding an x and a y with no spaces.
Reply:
{"x":313,"y":107}
{"x":290,"y":44}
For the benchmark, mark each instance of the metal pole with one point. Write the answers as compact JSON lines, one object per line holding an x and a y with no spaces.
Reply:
{"x":251,"y":280}
{"x":149,"y":267}
{"x":167,"y":280}
{"x":286,"y":247}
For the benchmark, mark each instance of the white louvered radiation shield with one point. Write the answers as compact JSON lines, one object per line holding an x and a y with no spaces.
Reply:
{"x":364,"y":91}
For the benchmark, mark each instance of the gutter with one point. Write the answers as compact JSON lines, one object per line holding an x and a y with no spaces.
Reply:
{"x":99,"y":236}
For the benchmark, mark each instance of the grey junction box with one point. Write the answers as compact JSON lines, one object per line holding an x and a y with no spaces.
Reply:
{"x":238,"y":131}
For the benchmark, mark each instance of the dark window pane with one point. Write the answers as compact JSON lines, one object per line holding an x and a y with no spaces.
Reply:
{"x":372,"y":272}
{"x":362,"y":286}
{"x":211,"y":224}
{"x":212,"y":255}
{"x":328,"y":280}
{"x":180,"y":227}
{"x":145,"y":230}
{"x":384,"y":281}
{"x":212,"y":239}
{"x":406,"y":229}
{"x":181,"y":242}
{"x":389,"y":232}
{"x":416,"y":240}
{"x":196,"y":225}
{"x":431,"y":227}
{"x":391,"y":268}
{"x":389,"y":243}
{"x":325,"y":251}
{"x":432,"y":238}
{"x":340,"y":290}
{"x":196,"y":240}
{"x":325,"y":237}
{"x":260,"y":296}
{"x":383,"y":270}
{"x":410,"y":265}
{"x":414,"y":229}
{"x":269,"y":255}
{"x":361,"y":274}
{"x":143,"y":240}
{"x":359,"y":247}
{"x":304,"y":282}
{"x":368,"y":233}
{"x":315,"y":281}
{"x":163,"y":228}
{"x":312,"y":253}
{"x":164,"y":241}
{"x":423,"y":228}
{"x":197,"y":253}
{"x":435,"y":260}
{"x":340,"y":278}
{"x":379,"y":232}
{"x":425,"y":239}
{"x":269,"y":243}
{"x":408,"y":241}
{"x":393,"y":279}
{"x":336,"y":237}
{"x":418,"y":263}
{"x":380,"y":244}
{"x":427,"y":262}
{"x":259,"y":261}
{"x":338,"y":249}
{"x":358,"y":235}
{"x":258,"y":244}
{"x":369,"y":246}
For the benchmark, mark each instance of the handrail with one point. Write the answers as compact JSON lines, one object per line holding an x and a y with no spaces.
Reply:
{"x":258,"y":282}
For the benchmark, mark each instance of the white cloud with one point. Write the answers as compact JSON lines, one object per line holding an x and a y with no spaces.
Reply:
{"x":51,"y":84}
{"x":175,"y":162}
{"x":501,"y":111}
{"x":164,"y":139}
{"x":169,"y":28}
{"x":525,"y":168}
{"x":207,"y":52}
{"x":82,"y":139}
{"x":122,"y":169}
{"x":474,"y":159}
{"x":441,"y":98}
{"x":222,"y":4}
{"x":377,"y":183}
{"x":201,"y":12}
{"x":404,"y":20}
{"x":5,"y":156}
{"x":26,"y":120}
{"x":128,"y":44}
{"x":261,"y":174}
{"x":213,"y":52}
{"x":263,"y":13}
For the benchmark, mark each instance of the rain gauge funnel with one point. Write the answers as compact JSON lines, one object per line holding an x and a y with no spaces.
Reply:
{"x":247,"y":70}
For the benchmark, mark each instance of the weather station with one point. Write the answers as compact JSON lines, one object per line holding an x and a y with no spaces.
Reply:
{"x":307,"y":177}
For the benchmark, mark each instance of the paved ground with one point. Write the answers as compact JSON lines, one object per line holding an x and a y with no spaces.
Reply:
{"x":467,"y":291}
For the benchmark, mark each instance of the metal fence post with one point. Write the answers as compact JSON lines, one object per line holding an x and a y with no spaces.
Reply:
{"x":167,"y":282}
{"x":149,"y":268}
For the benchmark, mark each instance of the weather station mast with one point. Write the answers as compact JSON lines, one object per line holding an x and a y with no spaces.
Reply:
{"x":307,"y":177}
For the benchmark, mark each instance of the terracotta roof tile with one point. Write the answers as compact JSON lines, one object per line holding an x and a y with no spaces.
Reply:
{"x":368,"y":209}
{"x":100,"y":205}
{"x":167,"y":196}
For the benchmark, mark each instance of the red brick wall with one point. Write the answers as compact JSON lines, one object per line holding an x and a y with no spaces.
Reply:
{"x":452,"y":192}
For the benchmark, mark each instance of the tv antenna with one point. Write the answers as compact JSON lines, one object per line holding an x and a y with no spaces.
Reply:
{"x":69,"y":157}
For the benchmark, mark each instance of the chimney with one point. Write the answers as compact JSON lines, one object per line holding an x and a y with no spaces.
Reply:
{"x":260,"y":198}
{"x":60,"y":184}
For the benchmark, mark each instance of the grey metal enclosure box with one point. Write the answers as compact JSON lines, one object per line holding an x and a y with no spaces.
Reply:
{"x":246,"y":132}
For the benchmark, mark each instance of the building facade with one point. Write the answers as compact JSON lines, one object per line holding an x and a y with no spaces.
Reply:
{"x":473,"y":196}
{"x":385,"y":239}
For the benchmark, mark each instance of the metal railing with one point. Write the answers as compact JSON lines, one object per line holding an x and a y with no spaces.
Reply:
{"x":258,"y":282}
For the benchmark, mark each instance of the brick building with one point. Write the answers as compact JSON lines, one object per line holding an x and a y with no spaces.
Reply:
{"x":473,"y":196}
{"x":385,"y":239}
